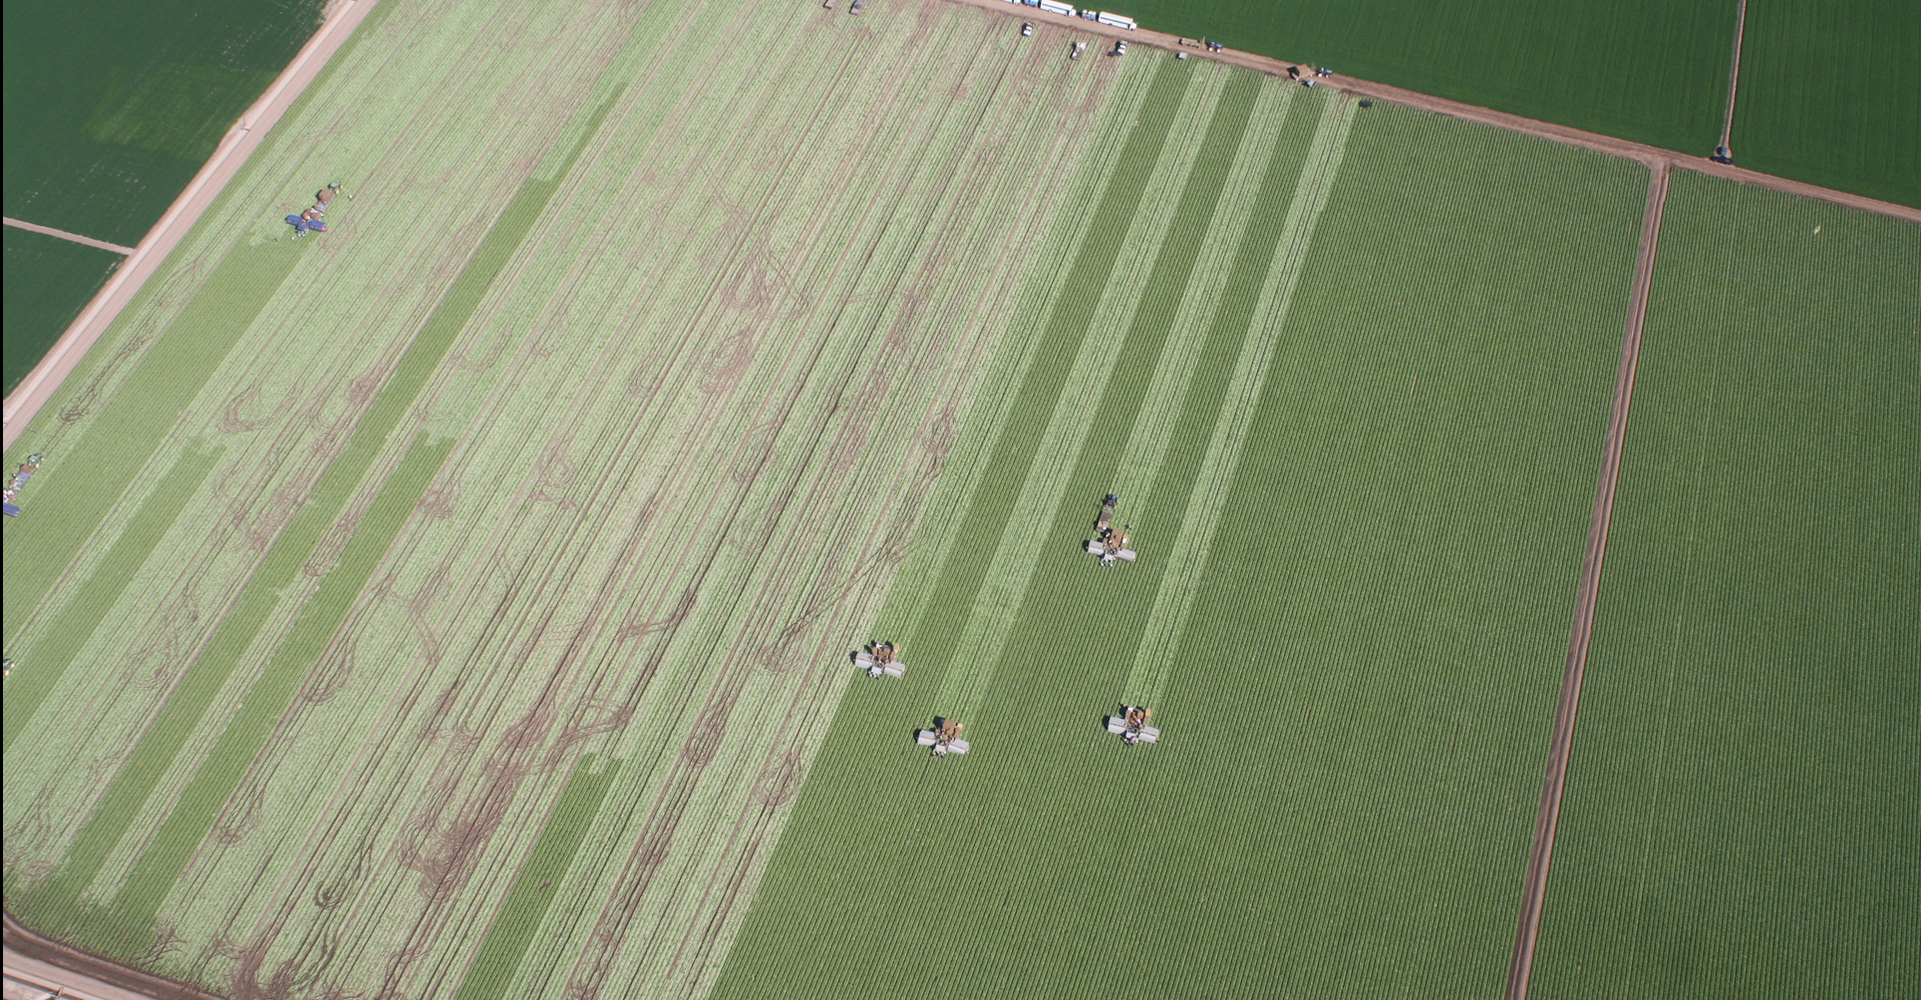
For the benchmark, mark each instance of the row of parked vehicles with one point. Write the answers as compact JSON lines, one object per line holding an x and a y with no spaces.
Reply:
{"x":1067,"y":10}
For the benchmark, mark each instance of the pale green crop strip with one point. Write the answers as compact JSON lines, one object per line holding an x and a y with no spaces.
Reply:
{"x":989,"y":619}
{"x":988,"y":410}
{"x":1174,"y":602}
{"x":1152,"y":433}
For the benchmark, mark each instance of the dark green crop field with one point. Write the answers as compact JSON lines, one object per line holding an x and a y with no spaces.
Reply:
{"x":1353,"y":642}
{"x":1831,"y":94}
{"x":48,"y":280}
{"x":1653,"y":71}
{"x":1741,"y":814}
{"x":111,"y":109}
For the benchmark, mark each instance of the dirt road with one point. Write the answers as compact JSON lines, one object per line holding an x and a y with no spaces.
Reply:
{"x":55,"y":968}
{"x":1649,"y":155}
{"x":1562,"y":742}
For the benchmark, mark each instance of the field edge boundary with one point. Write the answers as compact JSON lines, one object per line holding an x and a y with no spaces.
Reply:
{"x":1562,"y":742}
{"x":1566,"y":135}
{"x":22,"y":942}
{"x":46,"y":377}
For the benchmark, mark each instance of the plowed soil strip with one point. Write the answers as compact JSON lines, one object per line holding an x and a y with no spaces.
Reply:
{"x":1563,"y":740}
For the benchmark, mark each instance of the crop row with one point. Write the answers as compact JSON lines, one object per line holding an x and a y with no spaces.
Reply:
{"x":1356,"y":715}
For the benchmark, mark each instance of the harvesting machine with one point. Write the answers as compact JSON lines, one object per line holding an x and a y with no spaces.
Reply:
{"x":881,"y":658}
{"x":944,"y":738}
{"x":1131,"y":725}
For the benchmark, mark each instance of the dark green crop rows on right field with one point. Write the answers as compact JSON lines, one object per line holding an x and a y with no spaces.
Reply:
{"x":1653,"y":72}
{"x":1741,"y":812}
{"x":1830,"y":92}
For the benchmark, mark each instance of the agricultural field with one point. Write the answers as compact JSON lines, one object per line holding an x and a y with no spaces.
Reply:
{"x":1831,"y":94}
{"x":1652,"y":72}
{"x":460,"y":603}
{"x":402,"y":608}
{"x":47,"y":281}
{"x":108,"y":117}
{"x":1358,"y":466}
{"x":1740,"y":816}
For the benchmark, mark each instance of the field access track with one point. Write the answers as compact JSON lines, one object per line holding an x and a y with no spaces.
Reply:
{"x":403,"y":607}
{"x":1359,"y":465}
{"x":1740,"y":810}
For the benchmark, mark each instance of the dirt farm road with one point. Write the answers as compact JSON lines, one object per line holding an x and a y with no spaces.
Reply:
{"x":107,"y":981}
{"x":54,"y":969}
{"x":228,"y":157}
{"x":1561,"y":744}
{"x":1649,"y":155}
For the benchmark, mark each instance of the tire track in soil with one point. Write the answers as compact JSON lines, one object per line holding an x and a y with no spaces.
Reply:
{"x":668,"y":809}
{"x":691,"y":453}
{"x":498,"y":620}
{"x":779,"y":776}
{"x":455,"y":856}
{"x":1534,"y":893}
{"x":285,"y":494}
{"x":403,"y":959}
{"x":783,"y":768}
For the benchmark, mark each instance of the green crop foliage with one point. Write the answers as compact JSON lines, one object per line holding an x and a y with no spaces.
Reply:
{"x":1653,"y":72}
{"x":1357,"y":718}
{"x":1740,"y":810}
{"x":667,"y":355}
{"x":1831,"y":94}
{"x":989,"y":510}
{"x":47,"y":282}
{"x":534,"y":888}
{"x":82,"y":614}
{"x":96,"y":468}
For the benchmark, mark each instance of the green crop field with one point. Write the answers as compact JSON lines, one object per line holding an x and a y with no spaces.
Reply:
{"x":108,"y":116}
{"x":1359,"y":479}
{"x":1831,"y":94}
{"x":1741,"y":812}
{"x":1653,"y":72}
{"x":48,"y":281}
{"x":460,"y":603}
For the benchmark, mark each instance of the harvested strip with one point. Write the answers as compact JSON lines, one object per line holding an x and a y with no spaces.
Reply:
{"x":965,"y":578}
{"x":1167,"y":622}
{"x":1535,"y":891}
{"x":209,"y":673}
{"x":81,"y":616}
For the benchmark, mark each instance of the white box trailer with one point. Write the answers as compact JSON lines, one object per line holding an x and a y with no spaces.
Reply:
{"x":1115,"y":20}
{"x":1056,"y":7}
